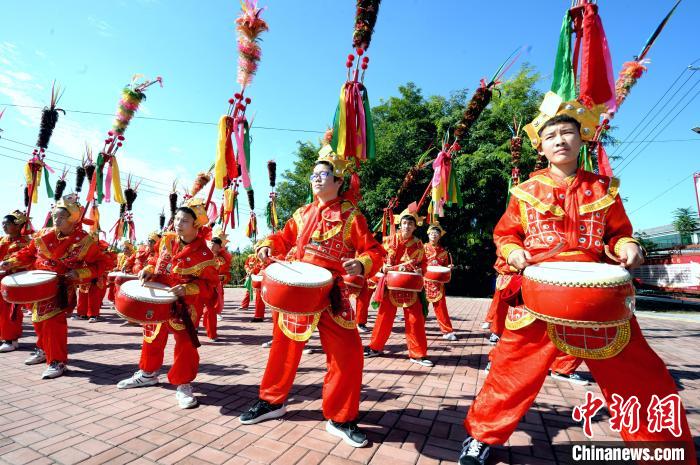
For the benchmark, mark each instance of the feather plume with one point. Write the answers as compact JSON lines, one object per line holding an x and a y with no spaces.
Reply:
{"x":122,"y":210}
{"x":161,"y":220}
{"x":365,"y":19}
{"x":476,"y":106}
{"x":272,"y":172}
{"x":26,"y":197}
{"x":130,"y":197}
{"x":49,"y":117}
{"x":249,"y":26}
{"x":79,"y":178}
{"x":251,"y":198}
{"x":60,"y":187}
{"x":200,"y":181}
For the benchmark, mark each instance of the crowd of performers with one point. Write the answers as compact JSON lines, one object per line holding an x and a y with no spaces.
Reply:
{"x":559,"y":205}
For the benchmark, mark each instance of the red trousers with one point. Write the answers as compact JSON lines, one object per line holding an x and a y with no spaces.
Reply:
{"x":89,"y":303}
{"x":259,"y":305}
{"x":520,"y":364}
{"x":362,"y":305}
{"x":497,"y":314}
{"x":246,"y":300}
{"x":211,"y":311}
{"x":52,"y":338}
{"x":10,"y":321}
{"x":415,"y":328}
{"x":344,"y":362}
{"x":443,"y":318}
{"x":186,"y":358}
{"x":111,"y":291}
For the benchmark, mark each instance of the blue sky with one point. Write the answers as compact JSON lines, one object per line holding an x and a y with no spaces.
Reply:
{"x":93,"y":49}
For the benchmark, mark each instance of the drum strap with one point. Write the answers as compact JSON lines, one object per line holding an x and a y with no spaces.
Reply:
{"x":181,"y":311}
{"x":62,"y":294}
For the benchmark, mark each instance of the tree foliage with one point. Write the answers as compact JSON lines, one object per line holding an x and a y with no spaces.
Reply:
{"x":685,"y":220}
{"x":407,"y":125}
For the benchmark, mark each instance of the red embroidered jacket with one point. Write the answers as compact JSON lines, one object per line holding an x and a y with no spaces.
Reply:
{"x":408,"y":254}
{"x":584,"y":211}
{"x":9,"y":246}
{"x":192,"y":265}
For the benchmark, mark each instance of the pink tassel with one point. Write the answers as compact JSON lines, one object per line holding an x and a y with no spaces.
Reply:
{"x":108,"y":183}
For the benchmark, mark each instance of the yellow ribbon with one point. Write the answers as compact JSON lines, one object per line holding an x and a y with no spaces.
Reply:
{"x":342,"y":123}
{"x":220,"y":163}
{"x":117,"y":182}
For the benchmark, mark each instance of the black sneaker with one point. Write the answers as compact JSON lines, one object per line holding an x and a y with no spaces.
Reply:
{"x":493,"y":339}
{"x":474,"y":452}
{"x":363,"y":328}
{"x":256,"y":320}
{"x":261,"y":411}
{"x":348,"y":431}
{"x":371,"y":353}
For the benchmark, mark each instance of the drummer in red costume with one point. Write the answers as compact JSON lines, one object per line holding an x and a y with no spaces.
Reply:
{"x":146,"y":253}
{"x":253,"y":266}
{"x":184,"y":262}
{"x":325,"y":233}
{"x":91,"y":294}
{"x":213,"y":309}
{"x":11,"y":314}
{"x":435,"y":254}
{"x":127,"y":258}
{"x":564,"y":204}
{"x":72,"y":253}
{"x":405,"y":252}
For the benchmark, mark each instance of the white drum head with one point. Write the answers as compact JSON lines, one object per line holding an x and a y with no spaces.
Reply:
{"x":577,"y":273}
{"x":121,"y":274}
{"x":28,"y":278}
{"x":257,"y":278}
{"x":153,"y":292}
{"x":299,"y":273}
{"x":438,"y":269}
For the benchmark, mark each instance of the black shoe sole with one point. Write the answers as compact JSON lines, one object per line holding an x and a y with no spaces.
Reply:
{"x":266,"y":416}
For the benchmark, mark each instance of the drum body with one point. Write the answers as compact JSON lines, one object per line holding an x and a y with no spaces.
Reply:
{"x":354,"y":283}
{"x":120,"y":278}
{"x":29,"y":286}
{"x":374,"y":280}
{"x":439,"y":274}
{"x":296,"y":287}
{"x":578,"y":294}
{"x":256,"y":280}
{"x":144,"y":304}
{"x":404,"y":281}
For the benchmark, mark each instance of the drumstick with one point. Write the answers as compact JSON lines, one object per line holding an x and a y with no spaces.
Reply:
{"x":540,"y":257}
{"x":284,"y":264}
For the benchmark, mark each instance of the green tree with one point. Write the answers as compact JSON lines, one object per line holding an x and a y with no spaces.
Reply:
{"x":645,"y":241}
{"x":685,"y":220}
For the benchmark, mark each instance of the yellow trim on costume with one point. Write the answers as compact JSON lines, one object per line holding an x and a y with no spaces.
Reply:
{"x":150,"y":339}
{"x":621,"y":340}
{"x":397,"y":304}
{"x":191,"y":289}
{"x":84,"y":245}
{"x":526,"y":320}
{"x":622,"y":241}
{"x":536,"y":203}
{"x":342,"y":322}
{"x":318,"y":237}
{"x":605,"y":201}
{"x":83,"y":273}
{"x":196,"y":269}
{"x":506,"y":249}
{"x":298,"y":219}
{"x":543,"y":179}
{"x":523,"y":215}
{"x":570,"y":253}
{"x":367,"y":263}
{"x":179,"y":327}
{"x":299,"y":337}
{"x":41,"y":246}
{"x":347,"y":229}
{"x":35,"y":313}
{"x":149,"y":269}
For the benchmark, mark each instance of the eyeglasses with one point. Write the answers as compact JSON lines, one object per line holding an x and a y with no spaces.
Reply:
{"x":319,"y":176}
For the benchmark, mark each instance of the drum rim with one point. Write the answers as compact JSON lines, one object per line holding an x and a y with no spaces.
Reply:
{"x":579,"y":323}
{"x":121,"y":274}
{"x":256,"y":277}
{"x":604,"y":284}
{"x":53,"y":276}
{"x":436,"y":281}
{"x":404,"y":272}
{"x":146,"y":299}
{"x":309,"y":285}
{"x":33,"y":301}
{"x":403,"y":289}
{"x":141,"y":322}
{"x":442,"y":269}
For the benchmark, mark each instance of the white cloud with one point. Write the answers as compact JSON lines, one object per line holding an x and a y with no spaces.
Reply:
{"x":19,"y":75}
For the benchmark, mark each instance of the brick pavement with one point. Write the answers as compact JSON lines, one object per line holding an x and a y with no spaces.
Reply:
{"x":413,"y":415}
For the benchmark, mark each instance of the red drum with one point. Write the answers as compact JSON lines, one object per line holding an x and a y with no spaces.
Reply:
{"x":28,"y":287}
{"x":120,"y":278}
{"x":579,"y":293}
{"x":404,"y":281}
{"x":439,"y":274}
{"x":374,"y":280}
{"x":354,"y":283}
{"x":256,"y":280}
{"x":296,"y":287}
{"x":141,"y":304}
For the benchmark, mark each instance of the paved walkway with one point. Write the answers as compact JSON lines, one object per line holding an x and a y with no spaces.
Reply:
{"x":413,"y":414}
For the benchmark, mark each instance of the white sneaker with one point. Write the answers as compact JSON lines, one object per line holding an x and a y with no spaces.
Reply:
{"x":219,"y":317}
{"x":267,"y":344}
{"x":9,"y":346}
{"x":185,"y":397}
{"x":362,"y":328}
{"x":423,"y":362}
{"x":139,"y":379}
{"x":485,"y":325}
{"x":573,"y":378}
{"x":307,"y":351}
{"x":93,"y":319}
{"x":450,"y":337}
{"x":37,"y":357}
{"x":54,"y":370}
{"x":493,"y":339}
